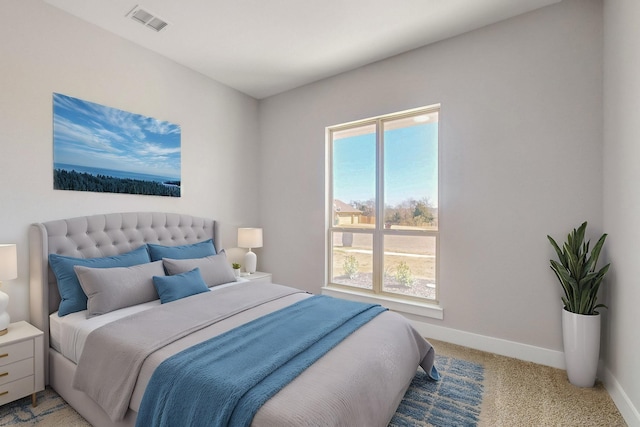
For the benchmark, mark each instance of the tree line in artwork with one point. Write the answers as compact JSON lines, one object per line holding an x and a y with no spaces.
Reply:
{"x":81,"y":181}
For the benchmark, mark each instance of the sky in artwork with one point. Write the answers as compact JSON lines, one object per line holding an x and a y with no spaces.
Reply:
{"x":410,"y":165}
{"x":93,"y":135}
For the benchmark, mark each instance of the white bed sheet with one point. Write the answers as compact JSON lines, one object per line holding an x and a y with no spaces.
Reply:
{"x":68,"y":334}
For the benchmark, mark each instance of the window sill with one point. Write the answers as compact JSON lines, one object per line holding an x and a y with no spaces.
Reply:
{"x":433,"y":311}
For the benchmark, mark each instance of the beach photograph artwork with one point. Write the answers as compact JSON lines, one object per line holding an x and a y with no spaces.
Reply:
{"x":103,"y":149}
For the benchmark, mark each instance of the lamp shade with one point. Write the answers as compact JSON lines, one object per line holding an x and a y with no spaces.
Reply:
{"x":249,"y":238}
{"x":8,"y":262}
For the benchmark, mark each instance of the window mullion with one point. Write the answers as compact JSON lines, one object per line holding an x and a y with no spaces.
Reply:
{"x":378,"y":241}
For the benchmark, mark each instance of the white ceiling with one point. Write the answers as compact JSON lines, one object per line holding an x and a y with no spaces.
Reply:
{"x":264,"y":47}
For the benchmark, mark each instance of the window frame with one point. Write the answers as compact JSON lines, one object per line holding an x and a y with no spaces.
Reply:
{"x":379,"y":232}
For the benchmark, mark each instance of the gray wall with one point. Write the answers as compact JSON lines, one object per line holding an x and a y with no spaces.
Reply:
{"x":521,"y":147}
{"x":622,"y":200}
{"x":43,"y":50}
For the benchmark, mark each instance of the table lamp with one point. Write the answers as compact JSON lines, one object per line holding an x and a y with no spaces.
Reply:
{"x":250,"y":238}
{"x":8,"y":271}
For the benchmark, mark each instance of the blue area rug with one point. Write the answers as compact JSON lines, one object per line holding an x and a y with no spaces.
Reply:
{"x":453,"y":401}
{"x":51,"y":410}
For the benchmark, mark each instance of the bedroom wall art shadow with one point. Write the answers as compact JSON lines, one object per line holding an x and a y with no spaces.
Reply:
{"x":104,"y":149}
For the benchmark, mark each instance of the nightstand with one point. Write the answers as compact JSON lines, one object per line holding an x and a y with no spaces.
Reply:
{"x":258,"y":277}
{"x":21,"y":363}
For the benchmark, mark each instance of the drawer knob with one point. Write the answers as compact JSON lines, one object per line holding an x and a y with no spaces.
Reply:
{"x":4,"y":392}
{"x":4,"y":355}
{"x":4,"y":374}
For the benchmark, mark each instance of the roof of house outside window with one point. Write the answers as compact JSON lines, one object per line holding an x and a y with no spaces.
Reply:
{"x":341,"y":207}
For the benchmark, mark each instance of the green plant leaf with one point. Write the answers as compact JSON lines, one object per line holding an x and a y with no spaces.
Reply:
{"x":595,"y":254}
{"x":576,"y":271}
{"x":558,"y":251}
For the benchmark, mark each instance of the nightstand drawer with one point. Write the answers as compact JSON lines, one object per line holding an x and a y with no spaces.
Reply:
{"x":13,"y":352}
{"x":16,"y":370}
{"x":16,"y":390}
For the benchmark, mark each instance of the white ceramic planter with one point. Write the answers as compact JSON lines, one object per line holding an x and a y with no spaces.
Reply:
{"x":581,"y":339}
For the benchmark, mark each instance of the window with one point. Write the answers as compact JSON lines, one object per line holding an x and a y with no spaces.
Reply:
{"x":383,"y":205}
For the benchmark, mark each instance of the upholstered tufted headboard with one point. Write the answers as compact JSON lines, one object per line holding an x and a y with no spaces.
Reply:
{"x":98,"y":236}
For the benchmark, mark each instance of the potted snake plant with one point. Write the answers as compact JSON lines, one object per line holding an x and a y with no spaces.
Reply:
{"x":580,"y":281}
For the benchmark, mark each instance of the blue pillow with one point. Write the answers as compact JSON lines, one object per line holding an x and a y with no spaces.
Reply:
{"x":73,"y":297}
{"x":195,"y":250}
{"x":171,"y":288}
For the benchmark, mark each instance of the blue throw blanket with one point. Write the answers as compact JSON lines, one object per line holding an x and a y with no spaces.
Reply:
{"x":224,"y":381}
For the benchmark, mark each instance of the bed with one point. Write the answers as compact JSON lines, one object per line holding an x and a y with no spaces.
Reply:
{"x":358,"y":381}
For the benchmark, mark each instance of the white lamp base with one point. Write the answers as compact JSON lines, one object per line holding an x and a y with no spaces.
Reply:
{"x":250,"y":262}
{"x":4,"y":316}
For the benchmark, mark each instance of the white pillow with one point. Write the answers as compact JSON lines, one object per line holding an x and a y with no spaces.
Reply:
{"x":215,"y":269}
{"x":109,"y":289}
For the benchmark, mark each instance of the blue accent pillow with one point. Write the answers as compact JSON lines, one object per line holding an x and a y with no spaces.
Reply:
{"x":171,"y":288}
{"x":194,"y":250}
{"x":73,"y":297}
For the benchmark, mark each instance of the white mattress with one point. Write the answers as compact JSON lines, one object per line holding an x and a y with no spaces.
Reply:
{"x":68,"y":334}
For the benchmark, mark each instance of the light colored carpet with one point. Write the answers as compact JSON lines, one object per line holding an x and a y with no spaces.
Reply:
{"x":514,"y":393}
{"x":521,"y":393}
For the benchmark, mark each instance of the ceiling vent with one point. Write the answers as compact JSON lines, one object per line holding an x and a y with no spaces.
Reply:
{"x":147,"y":18}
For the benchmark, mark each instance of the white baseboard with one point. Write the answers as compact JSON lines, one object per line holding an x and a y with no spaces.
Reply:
{"x":620,"y":398}
{"x":529,"y":353}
